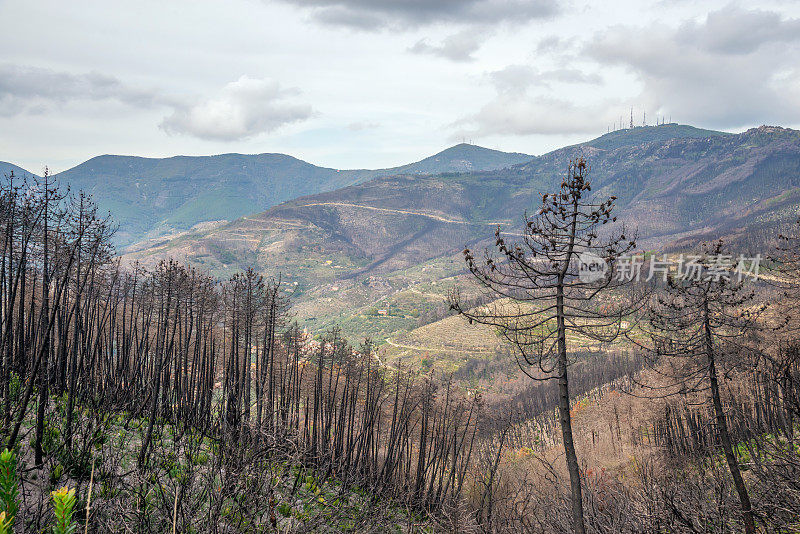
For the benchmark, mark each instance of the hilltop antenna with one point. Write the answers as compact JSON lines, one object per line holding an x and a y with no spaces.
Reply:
{"x":631,"y":118}
{"x":644,"y":118}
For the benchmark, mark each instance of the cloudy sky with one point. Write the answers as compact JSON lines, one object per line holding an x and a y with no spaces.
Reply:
{"x":378,"y":83}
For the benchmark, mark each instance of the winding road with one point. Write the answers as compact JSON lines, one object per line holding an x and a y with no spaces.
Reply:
{"x":403,"y":212}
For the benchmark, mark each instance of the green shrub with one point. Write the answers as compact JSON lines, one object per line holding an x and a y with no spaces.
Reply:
{"x":201,"y":458}
{"x":51,"y":439}
{"x":285,"y":509}
{"x":9,"y":489}
{"x":64,"y":504}
{"x":56,"y":473}
{"x":15,"y":386}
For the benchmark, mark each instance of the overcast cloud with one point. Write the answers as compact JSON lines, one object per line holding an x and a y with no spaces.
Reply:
{"x":736,"y":67}
{"x":244,"y":108}
{"x":403,"y":14}
{"x":26,"y":89}
{"x":379,"y":83}
{"x":457,"y":47}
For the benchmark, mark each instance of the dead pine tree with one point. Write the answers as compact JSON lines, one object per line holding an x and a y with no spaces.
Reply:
{"x":52,"y":218}
{"x":702,"y":326}
{"x":546,"y":289}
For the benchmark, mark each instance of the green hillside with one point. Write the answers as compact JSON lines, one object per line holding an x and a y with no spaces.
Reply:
{"x":464,"y":158}
{"x":151,"y":197}
{"x":649,"y":134}
{"x":357,"y":250}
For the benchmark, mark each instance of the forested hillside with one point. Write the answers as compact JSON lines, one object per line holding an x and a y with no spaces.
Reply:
{"x":152,"y":197}
{"x":673,"y":192}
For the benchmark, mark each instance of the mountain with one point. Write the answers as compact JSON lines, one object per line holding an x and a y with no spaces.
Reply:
{"x":6,"y":168}
{"x":670,"y":190}
{"x":149,"y":197}
{"x":641,"y":135}
{"x":373,"y":257}
{"x":462,"y":158}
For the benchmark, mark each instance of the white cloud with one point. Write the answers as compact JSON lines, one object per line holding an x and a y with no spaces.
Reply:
{"x":518,"y":79}
{"x":243,"y":109}
{"x":25,"y":89}
{"x":508,"y":114}
{"x":736,"y":31}
{"x":733,"y":69}
{"x":456,"y":47}
{"x":730,"y":69}
{"x":380,"y":14}
{"x":525,"y":105}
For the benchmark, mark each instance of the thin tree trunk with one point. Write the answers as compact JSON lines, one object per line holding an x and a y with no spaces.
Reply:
{"x":722,"y":427}
{"x":566,"y":419}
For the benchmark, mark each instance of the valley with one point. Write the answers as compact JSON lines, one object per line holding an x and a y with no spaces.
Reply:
{"x":381,"y":244}
{"x":400,"y":266}
{"x":353,"y":277}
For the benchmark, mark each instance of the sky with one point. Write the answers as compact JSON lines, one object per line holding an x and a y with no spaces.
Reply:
{"x":380,"y":83}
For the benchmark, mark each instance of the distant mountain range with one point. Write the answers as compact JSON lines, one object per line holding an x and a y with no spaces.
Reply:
{"x":149,"y":197}
{"x":675,"y":184}
{"x":346,"y":240}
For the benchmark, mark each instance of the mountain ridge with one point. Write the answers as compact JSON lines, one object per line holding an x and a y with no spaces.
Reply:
{"x":6,"y":168}
{"x":649,"y":134}
{"x":669,"y":189}
{"x":159,"y":196}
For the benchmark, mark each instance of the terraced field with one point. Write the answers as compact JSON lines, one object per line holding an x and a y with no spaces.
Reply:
{"x":445,"y":345}
{"x":452,"y":344}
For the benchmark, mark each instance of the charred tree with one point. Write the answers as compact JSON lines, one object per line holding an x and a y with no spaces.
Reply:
{"x":542,"y":296}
